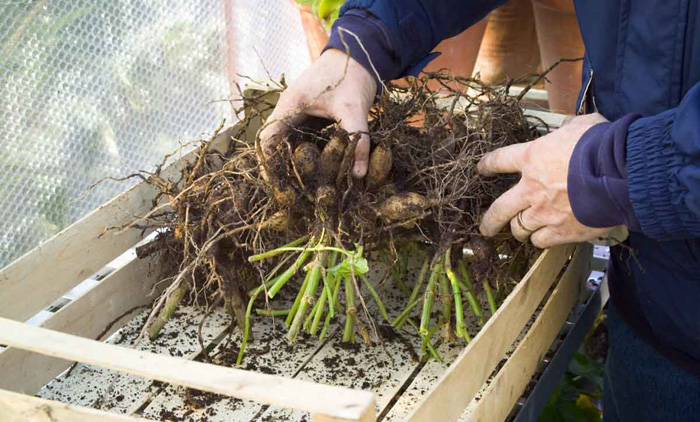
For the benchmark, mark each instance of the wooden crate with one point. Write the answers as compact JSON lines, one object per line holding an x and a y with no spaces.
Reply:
{"x":34,"y":356}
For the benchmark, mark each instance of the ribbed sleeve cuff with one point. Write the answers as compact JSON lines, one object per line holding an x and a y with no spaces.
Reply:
{"x":379,"y":56}
{"x":597,"y":179}
{"x":650,"y":158}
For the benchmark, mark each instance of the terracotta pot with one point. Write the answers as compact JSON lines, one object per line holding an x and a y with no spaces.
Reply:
{"x":509,"y":48}
{"x":559,"y":37}
{"x":316,"y":34}
{"x":459,"y":53}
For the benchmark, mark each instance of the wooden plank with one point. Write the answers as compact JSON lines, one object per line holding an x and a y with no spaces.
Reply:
{"x":368,"y":416}
{"x":270,"y":389}
{"x":552,"y":120}
{"x":117,"y":392}
{"x":36,"y":279}
{"x":15,"y":407}
{"x":424,"y":381}
{"x":88,"y":316}
{"x":462,"y":381}
{"x":510,"y":382}
{"x":381,"y":367}
{"x":269,"y":352}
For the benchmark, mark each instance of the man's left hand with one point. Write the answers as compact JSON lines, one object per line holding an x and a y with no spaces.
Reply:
{"x":541,"y":194}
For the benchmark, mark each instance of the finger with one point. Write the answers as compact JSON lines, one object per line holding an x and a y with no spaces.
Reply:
{"x":503,"y":209}
{"x":526,"y":219}
{"x":287,"y":113}
{"x":361,"y":157}
{"x":503,"y":160}
{"x":567,"y":120}
{"x":546,"y":238}
{"x":584,"y":119}
{"x":355,"y":121}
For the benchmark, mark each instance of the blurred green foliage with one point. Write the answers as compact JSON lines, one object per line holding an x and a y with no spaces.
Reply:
{"x":326,"y":10}
{"x":574,"y":399}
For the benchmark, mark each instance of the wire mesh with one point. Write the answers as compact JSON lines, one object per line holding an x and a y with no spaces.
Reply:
{"x":96,"y":88}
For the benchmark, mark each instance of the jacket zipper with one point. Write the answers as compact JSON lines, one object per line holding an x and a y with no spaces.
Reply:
{"x":588,"y":98}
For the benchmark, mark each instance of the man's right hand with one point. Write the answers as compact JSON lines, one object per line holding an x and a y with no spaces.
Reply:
{"x":326,"y":90}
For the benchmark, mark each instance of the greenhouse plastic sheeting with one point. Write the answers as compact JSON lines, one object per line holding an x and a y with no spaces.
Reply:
{"x":103,"y":88}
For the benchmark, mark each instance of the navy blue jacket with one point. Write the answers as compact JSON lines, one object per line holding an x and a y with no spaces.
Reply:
{"x":641,"y":170}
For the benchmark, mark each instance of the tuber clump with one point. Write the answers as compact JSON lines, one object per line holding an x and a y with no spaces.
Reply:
{"x":241,"y":230}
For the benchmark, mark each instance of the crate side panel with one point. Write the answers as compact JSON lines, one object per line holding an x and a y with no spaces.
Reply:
{"x":510,"y":382}
{"x":459,"y":384}
{"x":93,"y":314}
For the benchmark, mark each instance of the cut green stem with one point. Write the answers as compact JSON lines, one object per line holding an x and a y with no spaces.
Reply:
{"x":283,"y":278}
{"x":489,"y":297}
{"x":246,"y":328}
{"x":168,"y":309}
{"x":421,"y":278}
{"x":300,"y":295}
{"x":473,"y":303}
{"x":326,"y":323}
{"x":350,"y":311}
{"x":375,"y":296}
{"x":307,"y":298}
{"x":428,"y":301}
{"x":310,"y":317}
{"x":281,"y":249}
{"x":329,"y":283}
{"x":319,"y":313}
{"x":466,"y":276}
{"x":446,"y":299}
{"x":460,"y":326}
{"x":272,"y":312}
{"x":399,"y":320}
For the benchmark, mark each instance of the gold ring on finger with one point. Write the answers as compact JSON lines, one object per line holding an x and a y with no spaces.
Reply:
{"x":519,"y":219}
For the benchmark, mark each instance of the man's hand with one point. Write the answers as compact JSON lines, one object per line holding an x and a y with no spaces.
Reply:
{"x":541,"y":194}
{"x":326,"y":89}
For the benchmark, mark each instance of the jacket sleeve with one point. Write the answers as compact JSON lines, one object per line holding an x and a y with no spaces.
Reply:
{"x":663,"y":166}
{"x":395,"y":37}
{"x":643,"y":172}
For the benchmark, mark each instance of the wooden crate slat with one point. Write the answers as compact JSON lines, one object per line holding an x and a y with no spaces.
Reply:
{"x":268,"y":352}
{"x":88,"y":316}
{"x":316,"y":398}
{"x":119,"y":392}
{"x":431,"y":372}
{"x":455,"y":390}
{"x":423,"y":382}
{"x":15,"y":407}
{"x":380,"y":368}
{"x":510,"y":382}
{"x":301,"y":355}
